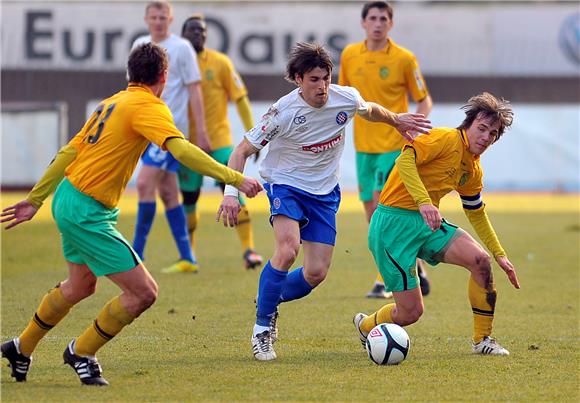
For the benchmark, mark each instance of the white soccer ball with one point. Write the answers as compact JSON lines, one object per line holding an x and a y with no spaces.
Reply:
{"x":388,"y":344}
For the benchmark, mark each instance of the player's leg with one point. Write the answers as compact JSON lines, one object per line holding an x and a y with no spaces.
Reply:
{"x":147,"y":180}
{"x":395,"y":238}
{"x":190,"y":185}
{"x":244,"y":226}
{"x":377,"y":171}
{"x":53,"y":308}
{"x":175,"y":214}
{"x":464,"y":251}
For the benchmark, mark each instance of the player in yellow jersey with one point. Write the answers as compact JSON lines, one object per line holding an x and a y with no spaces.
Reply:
{"x":220,"y":83}
{"x":407,"y":223}
{"x":96,"y":166}
{"x":385,"y":73}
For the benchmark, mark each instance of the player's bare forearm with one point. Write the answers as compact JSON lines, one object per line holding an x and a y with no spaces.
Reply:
{"x":425,"y":105}
{"x":377,"y":113}
{"x":240,"y":154}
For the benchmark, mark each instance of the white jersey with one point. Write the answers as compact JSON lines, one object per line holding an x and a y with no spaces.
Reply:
{"x":306,"y":143}
{"x":183,"y":70}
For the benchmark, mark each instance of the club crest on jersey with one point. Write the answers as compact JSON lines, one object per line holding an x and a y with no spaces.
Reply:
{"x":463,"y":179}
{"x":320,"y":147}
{"x":209,"y":75}
{"x":277,"y":203}
{"x":341,"y":118}
{"x":384,"y":72}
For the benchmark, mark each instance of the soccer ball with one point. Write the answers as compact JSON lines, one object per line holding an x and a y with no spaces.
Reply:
{"x":388,"y":344}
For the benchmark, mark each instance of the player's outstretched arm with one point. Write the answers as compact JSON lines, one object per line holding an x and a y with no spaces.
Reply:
{"x":410,"y":125}
{"x":230,"y":205}
{"x":197,"y":160}
{"x":26,"y":209}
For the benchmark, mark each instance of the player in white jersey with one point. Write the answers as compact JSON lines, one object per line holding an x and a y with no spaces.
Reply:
{"x":305,"y":134}
{"x":159,"y":169}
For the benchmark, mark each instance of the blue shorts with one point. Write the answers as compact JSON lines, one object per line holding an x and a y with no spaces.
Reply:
{"x":316,"y":214}
{"x":156,"y":157}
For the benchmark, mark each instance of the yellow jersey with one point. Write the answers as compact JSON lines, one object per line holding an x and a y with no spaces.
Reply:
{"x":114,"y":138}
{"x":444,"y":164}
{"x":385,"y":77}
{"x":220,"y":83}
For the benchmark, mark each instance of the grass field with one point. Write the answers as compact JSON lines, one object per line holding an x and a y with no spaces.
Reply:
{"x":193,"y":344}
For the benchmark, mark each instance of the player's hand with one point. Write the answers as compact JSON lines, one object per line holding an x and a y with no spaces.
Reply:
{"x":18,"y":213}
{"x":411,"y":125}
{"x":250,"y":186}
{"x":431,"y":216}
{"x":509,"y":269}
{"x":228,"y":211}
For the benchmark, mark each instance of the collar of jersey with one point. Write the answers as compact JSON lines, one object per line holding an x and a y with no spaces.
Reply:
{"x":385,"y":49}
{"x":139,"y":87}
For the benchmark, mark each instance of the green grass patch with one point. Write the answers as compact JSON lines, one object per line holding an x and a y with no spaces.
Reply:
{"x":194,"y":343}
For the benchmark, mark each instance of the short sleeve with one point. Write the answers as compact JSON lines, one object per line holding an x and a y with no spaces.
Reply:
{"x":361,"y":106}
{"x":235,"y":86}
{"x":266,"y":130}
{"x":415,"y":81}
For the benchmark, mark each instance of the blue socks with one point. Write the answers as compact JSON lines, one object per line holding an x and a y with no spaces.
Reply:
{"x":178,"y":224}
{"x":145,"y":216}
{"x":269,"y":291}
{"x":296,"y":286}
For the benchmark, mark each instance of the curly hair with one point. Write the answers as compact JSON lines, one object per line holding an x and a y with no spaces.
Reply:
{"x":487,"y":106}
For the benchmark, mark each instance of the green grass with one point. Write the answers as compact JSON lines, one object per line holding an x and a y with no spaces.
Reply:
{"x":193,"y":344}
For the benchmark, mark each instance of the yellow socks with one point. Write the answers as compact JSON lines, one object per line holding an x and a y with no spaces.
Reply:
{"x":51,"y":310}
{"x":192,"y":219}
{"x":383,"y":315}
{"x":483,"y":305}
{"x":244,"y":229}
{"x":380,"y":279}
{"x":111,"y":320}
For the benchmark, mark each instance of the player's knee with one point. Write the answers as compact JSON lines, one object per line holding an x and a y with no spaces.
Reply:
{"x":289,"y":252}
{"x":409,"y":315}
{"x":481,"y":265}
{"x":147,"y":298}
{"x":315,"y":277}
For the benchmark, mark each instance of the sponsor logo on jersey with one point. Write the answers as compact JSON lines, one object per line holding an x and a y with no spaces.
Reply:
{"x":298,"y":120}
{"x":341,"y":118}
{"x":320,"y":147}
{"x":384,"y":72}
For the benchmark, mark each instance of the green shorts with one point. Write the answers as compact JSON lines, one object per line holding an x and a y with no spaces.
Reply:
{"x":191,"y":181}
{"x":397,"y":237}
{"x":88,"y":233}
{"x":372,"y":172}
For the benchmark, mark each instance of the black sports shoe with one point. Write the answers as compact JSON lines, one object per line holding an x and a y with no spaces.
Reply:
{"x":252,"y":259}
{"x":19,"y":363}
{"x":424,"y":281}
{"x":88,"y":369}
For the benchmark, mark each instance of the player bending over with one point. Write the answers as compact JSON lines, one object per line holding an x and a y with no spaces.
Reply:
{"x":408,"y":225}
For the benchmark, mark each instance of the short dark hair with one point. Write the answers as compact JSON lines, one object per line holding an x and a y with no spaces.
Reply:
{"x":381,"y":5}
{"x":305,"y":57}
{"x":487,"y":106}
{"x":196,"y":16}
{"x":146,"y":64}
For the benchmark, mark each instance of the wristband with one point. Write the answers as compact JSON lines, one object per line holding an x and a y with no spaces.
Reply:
{"x":230,"y":190}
